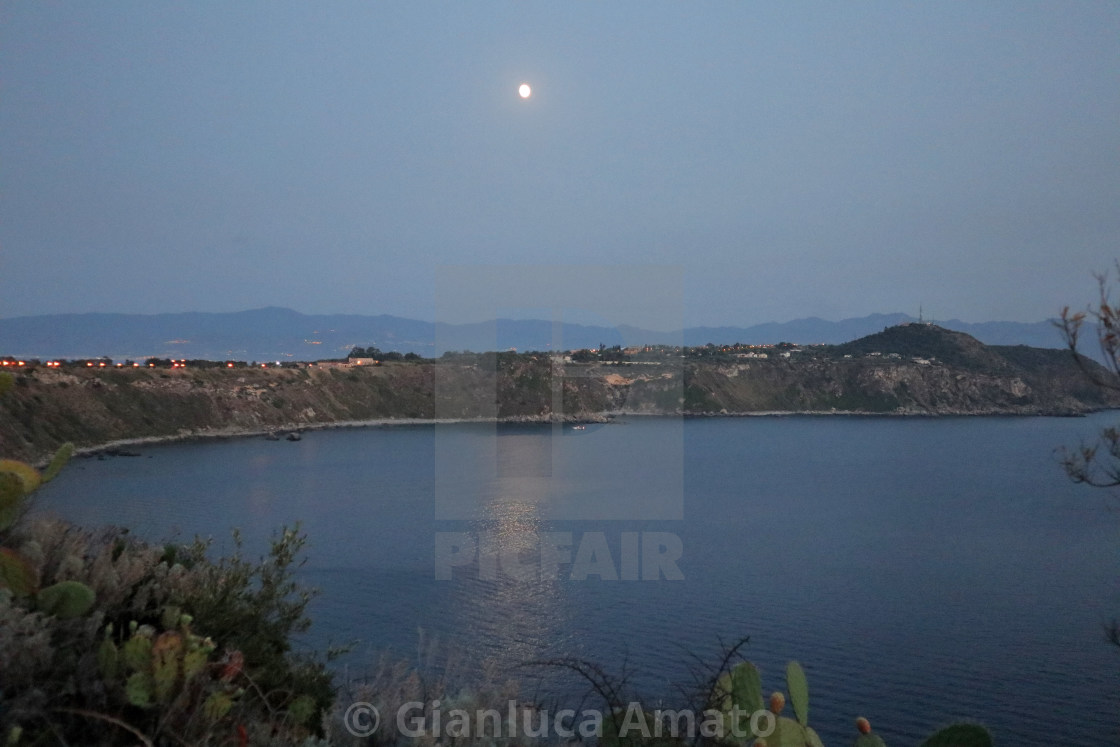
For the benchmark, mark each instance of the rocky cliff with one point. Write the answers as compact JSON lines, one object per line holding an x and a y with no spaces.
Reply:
{"x":904,"y":370}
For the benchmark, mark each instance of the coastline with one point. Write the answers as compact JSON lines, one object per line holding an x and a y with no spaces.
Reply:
{"x":206,"y":434}
{"x":104,"y":410}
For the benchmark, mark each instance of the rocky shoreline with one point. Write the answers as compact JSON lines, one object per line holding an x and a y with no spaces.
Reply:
{"x":123,"y":447}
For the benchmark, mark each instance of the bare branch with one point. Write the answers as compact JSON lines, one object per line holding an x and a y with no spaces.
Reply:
{"x":1106,"y":319}
{"x":608,"y":688}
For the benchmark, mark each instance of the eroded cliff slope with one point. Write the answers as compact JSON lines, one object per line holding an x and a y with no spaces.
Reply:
{"x":915,"y":369}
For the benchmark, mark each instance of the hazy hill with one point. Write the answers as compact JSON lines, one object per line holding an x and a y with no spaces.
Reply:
{"x":282,"y":334}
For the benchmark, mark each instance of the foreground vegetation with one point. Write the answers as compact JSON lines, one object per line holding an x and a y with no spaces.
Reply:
{"x":103,"y":634}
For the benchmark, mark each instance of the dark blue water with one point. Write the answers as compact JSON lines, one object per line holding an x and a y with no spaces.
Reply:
{"x":922,"y":570}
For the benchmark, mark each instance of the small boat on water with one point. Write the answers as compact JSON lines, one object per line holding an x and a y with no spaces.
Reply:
{"x":579,"y":427}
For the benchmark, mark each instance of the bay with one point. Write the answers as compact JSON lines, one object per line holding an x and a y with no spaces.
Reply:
{"x":922,"y":570}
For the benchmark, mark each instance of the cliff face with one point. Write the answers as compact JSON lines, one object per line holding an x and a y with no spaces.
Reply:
{"x":953,"y":374}
{"x":902,"y":387}
{"x":907,"y":369}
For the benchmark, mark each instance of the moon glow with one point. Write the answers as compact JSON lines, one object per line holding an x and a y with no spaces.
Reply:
{"x":524,"y":91}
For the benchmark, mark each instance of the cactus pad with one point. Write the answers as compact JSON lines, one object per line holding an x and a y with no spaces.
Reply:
{"x":798,"y":692}
{"x":27,"y":474}
{"x":16,"y":574}
{"x":66,"y":599}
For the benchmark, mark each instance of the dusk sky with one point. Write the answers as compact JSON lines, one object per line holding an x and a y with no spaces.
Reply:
{"x":828,"y":159}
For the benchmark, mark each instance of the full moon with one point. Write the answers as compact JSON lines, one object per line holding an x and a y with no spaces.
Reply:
{"x":524,"y":91}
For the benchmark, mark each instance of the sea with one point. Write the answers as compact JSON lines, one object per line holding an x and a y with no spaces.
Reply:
{"x":922,"y":570}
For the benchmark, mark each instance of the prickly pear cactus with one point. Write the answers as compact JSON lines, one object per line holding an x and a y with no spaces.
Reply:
{"x":799,"y":732}
{"x":66,"y":599}
{"x":746,"y":687}
{"x":160,"y":669}
{"x":138,"y":690}
{"x":167,"y":655}
{"x":137,"y":650}
{"x":741,"y":695}
{"x":742,"y":690}
{"x":798,"y":692}
{"x":18,"y":574}
{"x":867,"y":738}
{"x":11,"y":499}
{"x":217,"y":705}
{"x":27,"y":474}
{"x":789,"y":733}
{"x":108,"y":656}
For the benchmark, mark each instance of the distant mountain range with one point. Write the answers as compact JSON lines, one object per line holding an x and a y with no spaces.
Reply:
{"x":283,"y":334}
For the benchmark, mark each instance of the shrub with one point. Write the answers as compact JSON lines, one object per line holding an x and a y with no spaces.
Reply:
{"x":102,"y":634}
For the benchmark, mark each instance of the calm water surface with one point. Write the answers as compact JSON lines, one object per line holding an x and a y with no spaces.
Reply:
{"x":922,"y":570}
